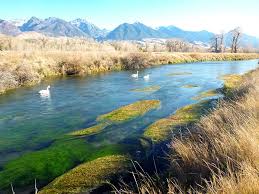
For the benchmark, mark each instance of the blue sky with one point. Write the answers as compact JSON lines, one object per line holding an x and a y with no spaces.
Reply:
{"x":212,"y":15}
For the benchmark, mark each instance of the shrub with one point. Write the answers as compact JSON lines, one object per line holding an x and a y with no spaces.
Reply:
{"x":25,"y":74}
{"x":7,"y":80}
{"x":135,"y":61}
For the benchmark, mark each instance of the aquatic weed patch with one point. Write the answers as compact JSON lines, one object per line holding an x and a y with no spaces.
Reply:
{"x":190,"y":86}
{"x":90,"y":130}
{"x":88,"y":175}
{"x":147,"y":89}
{"x":120,"y":115}
{"x":129,"y":112}
{"x":161,"y":129}
{"x":206,"y":94}
{"x":43,"y":165}
{"x":47,"y":164}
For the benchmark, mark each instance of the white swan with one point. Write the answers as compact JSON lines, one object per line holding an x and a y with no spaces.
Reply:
{"x":45,"y":92}
{"x":135,"y":75}
{"x":146,"y":77}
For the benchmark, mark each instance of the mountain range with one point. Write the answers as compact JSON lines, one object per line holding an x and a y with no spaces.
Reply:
{"x":137,"y":31}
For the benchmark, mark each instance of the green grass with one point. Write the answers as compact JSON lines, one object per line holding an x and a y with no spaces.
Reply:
{"x":49,"y":163}
{"x":190,"y":86}
{"x":89,"y":131}
{"x":161,"y":129}
{"x":147,"y":89}
{"x":206,"y":94}
{"x":88,"y":175}
{"x":129,"y":112}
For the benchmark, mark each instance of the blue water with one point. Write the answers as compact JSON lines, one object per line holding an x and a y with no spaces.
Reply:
{"x":29,"y":122}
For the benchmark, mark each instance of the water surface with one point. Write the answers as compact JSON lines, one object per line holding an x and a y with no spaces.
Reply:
{"x":29,"y":122}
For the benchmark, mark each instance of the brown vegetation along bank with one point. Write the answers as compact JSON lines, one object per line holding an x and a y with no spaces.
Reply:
{"x":19,"y":68}
{"x":219,"y":154}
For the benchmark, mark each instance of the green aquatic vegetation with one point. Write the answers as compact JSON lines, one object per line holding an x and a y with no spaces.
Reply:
{"x":88,"y":175}
{"x":147,"y":89}
{"x":179,"y":73}
{"x":231,"y":81}
{"x":190,"y":86}
{"x":129,"y":112}
{"x":120,"y":115}
{"x":43,"y":165}
{"x":49,"y":163}
{"x":161,"y":129}
{"x":90,"y":130}
{"x":35,"y":133}
{"x":206,"y":94}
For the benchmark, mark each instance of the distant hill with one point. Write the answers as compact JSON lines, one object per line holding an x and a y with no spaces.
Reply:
{"x":190,"y":36}
{"x":136,"y":31}
{"x":8,"y":28}
{"x":18,"y":22}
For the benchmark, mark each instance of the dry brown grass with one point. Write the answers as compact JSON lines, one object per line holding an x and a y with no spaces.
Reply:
{"x":28,"y":60}
{"x":30,"y":67}
{"x":222,"y":151}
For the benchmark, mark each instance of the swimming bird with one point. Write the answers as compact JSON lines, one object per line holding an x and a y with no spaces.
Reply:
{"x":45,"y":92}
{"x":135,"y":75}
{"x":146,"y":77}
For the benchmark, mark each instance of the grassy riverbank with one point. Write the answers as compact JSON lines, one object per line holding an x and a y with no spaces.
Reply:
{"x":20,"y":68}
{"x":219,"y":153}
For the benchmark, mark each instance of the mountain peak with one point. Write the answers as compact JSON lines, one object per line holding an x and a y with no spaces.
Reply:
{"x":89,"y":28}
{"x":34,"y":19}
{"x":79,"y":20}
{"x":138,"y":23}
{"x":54,"y":19}
{"x":135,"y":31}
{"x":30,"y":24}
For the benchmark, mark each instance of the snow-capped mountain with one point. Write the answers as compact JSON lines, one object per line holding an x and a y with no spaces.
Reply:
{"x":137,"y":31}
{"x":89,"y":28}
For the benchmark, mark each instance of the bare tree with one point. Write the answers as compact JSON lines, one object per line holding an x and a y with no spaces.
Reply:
{"x":217,"y":43}
{"x":1,"y":46}
{"x":221,"y":42}
{"x":43,"y":42}
{"x":177,"y":45}
{"x":236,"y":36}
